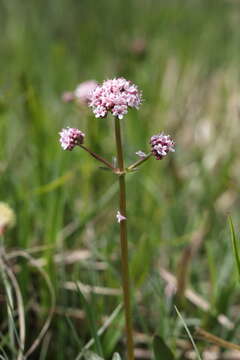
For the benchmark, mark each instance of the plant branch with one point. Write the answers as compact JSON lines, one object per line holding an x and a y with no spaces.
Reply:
{"x":98,"y":157}
{"x":139,"y":162}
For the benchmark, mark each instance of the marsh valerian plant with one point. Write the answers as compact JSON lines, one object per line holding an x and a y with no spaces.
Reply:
{"x":116,"y":97}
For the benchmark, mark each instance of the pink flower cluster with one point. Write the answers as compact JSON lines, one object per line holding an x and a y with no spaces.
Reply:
{"x":81,"y":94}
{"x":71,"y":137}
{"x":161,"y":145}
{"x":114,"y":96}
{"x":83,"y":91}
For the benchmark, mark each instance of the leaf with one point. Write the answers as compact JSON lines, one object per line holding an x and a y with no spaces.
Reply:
{"x":102,"y":329}
{"x":90,"y":355}
{"x":189,"y":334}
{"x":235,"y":246}
{"x":91,"y":316}
{"x":74,"y":332}
{"x":116,"y":356}
{"x":54,"y":184}
{"x":161,"y":350}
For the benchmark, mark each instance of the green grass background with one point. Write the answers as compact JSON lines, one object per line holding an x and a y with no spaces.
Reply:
{"x":189,"y":76}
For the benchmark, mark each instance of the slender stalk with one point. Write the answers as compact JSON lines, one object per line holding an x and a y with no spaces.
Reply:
{"x":139,"y":162}
{"x":124,"y":243}
{"x":217,"y":340}
{"x":98,"y":157}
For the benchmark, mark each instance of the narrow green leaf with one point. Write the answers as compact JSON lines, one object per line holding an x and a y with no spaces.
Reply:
{"x":13,"y":332}
{"x":102,"y":329}
{"x":189,"y":334}
{"x":3,"y":342}
{"x":235,"y":246}
{"x":91,"y":319}
{"x":74,"y":332}
{"x":54,"y":184}
{"x":161,"y":350}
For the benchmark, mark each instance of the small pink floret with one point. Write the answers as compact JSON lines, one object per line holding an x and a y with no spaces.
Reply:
{"x":71,"y":137}
{"x":120,"y":217}
{"x":161,"y":145}
{"x":141,"y":154}
{"x":114,"y":96}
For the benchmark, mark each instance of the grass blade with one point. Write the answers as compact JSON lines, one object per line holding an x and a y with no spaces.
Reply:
{"x":102,"y":329}
{"x":74,"y":332}
{"x":161,"y":350}
{"x":235,"y":246}
{"x":90,"y":317}
{"x":189,"y":334}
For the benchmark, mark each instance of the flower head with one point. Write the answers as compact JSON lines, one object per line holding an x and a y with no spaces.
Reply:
{"x":161,"y":145}
{"x":71,"y":137}
{"x":7,"y":217}
{"x":120,"y":217}
{"x":82,"y":92}
{"x":114,"y":96}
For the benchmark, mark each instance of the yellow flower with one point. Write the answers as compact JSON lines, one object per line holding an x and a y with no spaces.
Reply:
{"x":7,"y":217}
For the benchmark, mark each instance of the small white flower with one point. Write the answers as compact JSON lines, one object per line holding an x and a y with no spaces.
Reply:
{"x":141,"y":154}
{"x":120,"y":217}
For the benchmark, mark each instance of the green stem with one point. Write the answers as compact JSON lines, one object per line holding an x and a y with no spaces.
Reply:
{"x":98,"y":157}
{"x":124,"y":243}
{"x":139,"y":162}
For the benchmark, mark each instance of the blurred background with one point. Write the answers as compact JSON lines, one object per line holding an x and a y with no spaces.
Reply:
{"x":184,"y":56}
